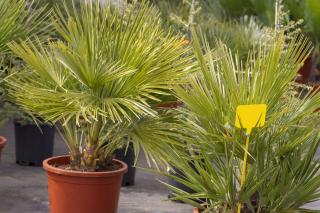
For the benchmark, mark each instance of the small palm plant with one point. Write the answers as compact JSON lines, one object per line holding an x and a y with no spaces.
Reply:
{"x":19,"y":20}
{"x":113,"y":62}
{"x":241,"y":36}
{"x":282,"y":173}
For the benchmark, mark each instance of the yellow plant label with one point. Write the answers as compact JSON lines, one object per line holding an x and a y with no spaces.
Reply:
{"x":250,"y":116}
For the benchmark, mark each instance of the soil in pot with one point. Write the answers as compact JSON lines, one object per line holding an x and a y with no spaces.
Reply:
{"x":244,"y":208}
{"x":33,"y":145}
{"x":2,"y":143}
{"x":128,"y":157}
{"x":82,"y":192}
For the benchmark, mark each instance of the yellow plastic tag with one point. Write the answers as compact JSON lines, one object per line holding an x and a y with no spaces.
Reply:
{"x":251,"y":116}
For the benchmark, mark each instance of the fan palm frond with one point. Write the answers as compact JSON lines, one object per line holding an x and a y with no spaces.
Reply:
{"x":114,"y":61}
{"x":19,"y":20}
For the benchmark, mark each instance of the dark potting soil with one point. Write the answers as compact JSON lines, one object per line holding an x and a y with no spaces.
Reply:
{"x":110,"y":167}
{"x":244,"y":209}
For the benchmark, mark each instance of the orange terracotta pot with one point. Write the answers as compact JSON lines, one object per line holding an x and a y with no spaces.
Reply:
{"x":195,"y":210}
{"x":82,"y":192}
{"x":2,"y":143}
{"x":169,"y":105}
{"x":305,"y":71}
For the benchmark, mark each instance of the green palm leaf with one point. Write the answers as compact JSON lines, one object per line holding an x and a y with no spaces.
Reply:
{"x":19,"y":20}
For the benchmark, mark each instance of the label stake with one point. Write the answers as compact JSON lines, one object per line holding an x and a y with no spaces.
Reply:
{"x":249,"y":117}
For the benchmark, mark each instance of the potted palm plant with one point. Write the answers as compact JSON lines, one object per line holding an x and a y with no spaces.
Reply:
{"x":112,"y":61}
{"x":282,"y":173}
{"x":206,"y":15}
{"x":19,"y":20}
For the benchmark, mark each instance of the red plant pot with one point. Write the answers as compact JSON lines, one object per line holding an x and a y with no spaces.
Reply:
{"x":169,"y":105}
{"x":82,"y":192}
{"x":305,"y":71}
{"x":2,"y":143}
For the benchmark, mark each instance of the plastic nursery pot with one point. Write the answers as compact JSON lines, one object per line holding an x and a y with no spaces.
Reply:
{"x":33,"y":145}
{"x":2,"y":143}
{"x":305,"y":71}
{"x":82,"y":192}
{"x":176,"y":184}
{"x":128,"y":157}
{"x":169,"y":105}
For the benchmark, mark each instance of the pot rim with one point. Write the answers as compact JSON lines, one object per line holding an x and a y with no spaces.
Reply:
{"x":32,"y":124}
{"x":3,"y":140}
{"x":49,"y":168}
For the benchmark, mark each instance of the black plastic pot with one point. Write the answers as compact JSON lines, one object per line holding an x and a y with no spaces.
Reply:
{"x":174,"y":171}
{"x":32,"y":144}
{"x":128,"y":158}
